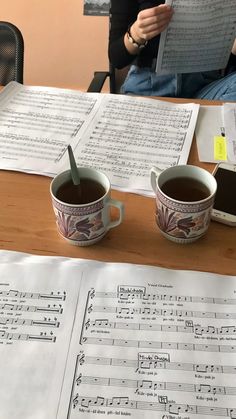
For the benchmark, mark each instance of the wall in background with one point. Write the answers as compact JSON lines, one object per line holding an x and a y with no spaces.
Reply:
{"x":62,"y":46}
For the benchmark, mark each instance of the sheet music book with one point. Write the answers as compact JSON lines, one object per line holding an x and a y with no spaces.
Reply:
{"x":199,"y":37}
{"x":82,"y":339}
{"x":123,"y":136}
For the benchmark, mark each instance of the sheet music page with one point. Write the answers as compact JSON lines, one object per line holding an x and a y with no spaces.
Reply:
{"x":37,"y":124}
{"x":129,"y":135}
{"x":37,"y":305}
{"x":152,"y":343}
{"x":123,"y":136}
{"x":199,"y":37}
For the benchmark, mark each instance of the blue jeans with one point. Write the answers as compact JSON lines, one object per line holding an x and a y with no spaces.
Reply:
{"x":207,"y":85}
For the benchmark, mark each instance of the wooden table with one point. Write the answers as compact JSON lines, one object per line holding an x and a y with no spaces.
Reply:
{"x":27,"y":224}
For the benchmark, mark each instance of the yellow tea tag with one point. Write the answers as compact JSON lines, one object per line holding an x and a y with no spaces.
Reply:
{"x":220,"y":148}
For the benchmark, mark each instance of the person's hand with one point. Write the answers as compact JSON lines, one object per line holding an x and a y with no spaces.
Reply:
{"x":151,"y":22}
{"x":234,"y":48}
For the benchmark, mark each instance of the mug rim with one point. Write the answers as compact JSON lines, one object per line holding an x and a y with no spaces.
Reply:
{"x":67,"y":173}
{"x":197,"y":168}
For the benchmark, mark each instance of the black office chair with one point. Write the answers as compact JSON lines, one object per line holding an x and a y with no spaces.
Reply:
{"x":99,"y":78}
{"x":116,"y":78}
{"x":11,"y":53}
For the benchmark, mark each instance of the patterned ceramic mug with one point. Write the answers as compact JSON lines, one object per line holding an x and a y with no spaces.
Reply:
{"x":184,"y":199}
{"x":87,"y":223}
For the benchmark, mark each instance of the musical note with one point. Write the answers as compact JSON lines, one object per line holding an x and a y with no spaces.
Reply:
{"x":173,"y":408}
{"x":154,"y":385}
{"x":164,"y":312}
{"x":189,"y":328}
{"x":25,"y":336}
{"x":28,"y":308}
{"x":142,"y":294}
{"x":28,"y":322}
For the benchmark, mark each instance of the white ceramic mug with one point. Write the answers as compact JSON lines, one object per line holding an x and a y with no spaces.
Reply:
{"x":179,"y":220}
{"x":85,"y":224}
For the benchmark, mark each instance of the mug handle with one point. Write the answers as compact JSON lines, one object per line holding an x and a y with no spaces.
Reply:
{"x":155,"y":173}
{"x":120,"y":206}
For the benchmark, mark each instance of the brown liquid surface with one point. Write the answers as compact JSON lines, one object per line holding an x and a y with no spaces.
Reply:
{"x":185,"y":189}
{"x":88,"y":191}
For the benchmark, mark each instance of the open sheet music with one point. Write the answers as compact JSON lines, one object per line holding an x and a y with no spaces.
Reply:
{"x":122,"y":136}
{"x":199,"y":37}
{"x":85,"y":339}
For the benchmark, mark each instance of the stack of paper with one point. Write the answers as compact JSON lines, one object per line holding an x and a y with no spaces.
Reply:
{"x":84,"y":339}
{"x":122,"y":136}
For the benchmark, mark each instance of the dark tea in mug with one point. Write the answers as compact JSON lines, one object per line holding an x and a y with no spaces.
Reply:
{"x":89,"y":190}
{"x":185,"y":189}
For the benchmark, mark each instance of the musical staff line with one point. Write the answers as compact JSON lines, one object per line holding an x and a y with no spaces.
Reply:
{"x":159,"y":345}
{"x":28,"y":322}
{"x":188,"y":328}
{"x":155,"y":385}
{"x":26,"y":336}
{"x":157,"y":364}
{"x":21,"y":307}
{"x":172,"y":408}
{"x":33,"y":295}
{"x":141,"y":294}
{"x":161,"y":312}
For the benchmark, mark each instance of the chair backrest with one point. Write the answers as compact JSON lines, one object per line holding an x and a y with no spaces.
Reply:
{"x":117,"y":78}
{"x":11,"y":53}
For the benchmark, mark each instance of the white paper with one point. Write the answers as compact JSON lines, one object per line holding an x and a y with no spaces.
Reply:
{"x":144,"y":342}
{"x":154,"y":343}
{"x":37,"y":306}
{"x":199,"y":36}
{"x":229,"y":113}
{"x":214,"y":121}
{"x":209,"y":125}
{"x":120,"y":135}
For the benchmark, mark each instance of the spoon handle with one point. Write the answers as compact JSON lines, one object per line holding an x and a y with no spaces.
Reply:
{"x":74,"y":169}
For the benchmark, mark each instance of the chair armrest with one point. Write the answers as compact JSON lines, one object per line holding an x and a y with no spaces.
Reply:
{"x":98,"y":81}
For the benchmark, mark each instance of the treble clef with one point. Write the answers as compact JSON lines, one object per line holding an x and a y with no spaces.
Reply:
{"x":81,"y":359}
{"x":78,"y":380}
{"x":75,"y":401}
{"x":90,"y":308}
{"x":92,"y":293}
{"x":87,"y":324}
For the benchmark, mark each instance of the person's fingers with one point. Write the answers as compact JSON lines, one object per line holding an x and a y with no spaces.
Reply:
{"x":152,"y":23}
{"x":156,"y":11}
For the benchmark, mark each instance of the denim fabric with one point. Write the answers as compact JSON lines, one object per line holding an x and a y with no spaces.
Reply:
{"x":224,"y":89}
{"x":206,"y":85}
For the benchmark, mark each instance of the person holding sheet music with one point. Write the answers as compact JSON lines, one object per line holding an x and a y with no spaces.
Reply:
{"x":135,"y":31}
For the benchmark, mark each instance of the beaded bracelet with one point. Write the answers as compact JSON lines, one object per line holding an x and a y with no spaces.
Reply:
{"x":133,"y":42}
